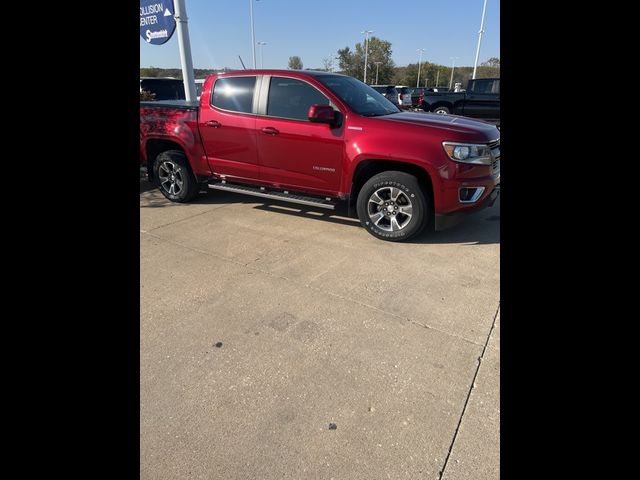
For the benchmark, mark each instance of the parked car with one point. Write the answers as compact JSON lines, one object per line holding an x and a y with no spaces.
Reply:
{"x":481,"y":99}
{"x":320,"y":139}
{"x":404,"y":96}
{"x":199,"y":84}
{"x":389,"y":92}
{"x":164,"y":88}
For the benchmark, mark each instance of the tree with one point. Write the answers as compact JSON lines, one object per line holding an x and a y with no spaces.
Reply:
{"x":428,"y":75}
{"x":492,"y":62}
{"x":327,"y":64}
{"x":352,"y":62}
{"x":295,"y":63}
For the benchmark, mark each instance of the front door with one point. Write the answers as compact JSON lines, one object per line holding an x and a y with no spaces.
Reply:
{"x":294,"y":152}
{"x":227,"y":128}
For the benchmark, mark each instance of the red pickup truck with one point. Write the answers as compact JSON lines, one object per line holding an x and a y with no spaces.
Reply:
{"x":320,"y":138}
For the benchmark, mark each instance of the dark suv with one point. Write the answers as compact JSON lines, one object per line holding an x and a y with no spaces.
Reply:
{"x":164,"y":88}
{"x":389,"y":92}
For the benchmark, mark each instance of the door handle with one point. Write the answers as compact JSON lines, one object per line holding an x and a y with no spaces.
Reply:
{"x":213,"y":123}
{"x":270,"y":131}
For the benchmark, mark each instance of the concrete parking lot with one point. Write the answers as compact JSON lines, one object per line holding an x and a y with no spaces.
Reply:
{"x":278,"y":341}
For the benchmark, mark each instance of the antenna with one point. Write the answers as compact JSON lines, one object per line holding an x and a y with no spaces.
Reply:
{"x":242,"y":62}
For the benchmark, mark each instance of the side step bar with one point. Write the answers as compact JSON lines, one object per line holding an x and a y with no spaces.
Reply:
{"x":274,"y":195}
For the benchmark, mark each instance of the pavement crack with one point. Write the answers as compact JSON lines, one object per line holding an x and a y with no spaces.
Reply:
{"x":471,"y":387}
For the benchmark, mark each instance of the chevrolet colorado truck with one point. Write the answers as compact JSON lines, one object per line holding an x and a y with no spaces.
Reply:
{"x":319,"y":139}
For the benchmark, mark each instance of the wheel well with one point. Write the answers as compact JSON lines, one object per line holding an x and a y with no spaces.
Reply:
{"x":442,"y":104}
{"x":154,"y":148}
{"x":368,"y":168}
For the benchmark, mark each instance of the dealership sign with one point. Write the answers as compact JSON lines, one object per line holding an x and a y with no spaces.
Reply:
{"x":156,"y":21}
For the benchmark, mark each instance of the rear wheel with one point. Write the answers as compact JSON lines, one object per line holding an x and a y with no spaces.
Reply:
{"x":174,"y":178}
{"x":392,"y":206}
{"x":441,"y":110}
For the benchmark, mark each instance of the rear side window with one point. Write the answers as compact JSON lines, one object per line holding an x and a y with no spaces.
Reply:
{"x":392,"y":90}
{"x":235,"y":94}
{"x":482,"y":86}
{"x":291,"y":98}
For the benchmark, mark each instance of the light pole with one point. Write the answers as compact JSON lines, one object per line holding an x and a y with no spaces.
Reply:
{"x":437,"y":77}
{"x":377,"y":65}
{"x":366,"y":51}
{"x":184,"y":45}
{"x":475,"y":64}
{"x":261,"y":44}
{"x":419,"y":65}
{"x":452,"y":69}
{"x":253,"y":34}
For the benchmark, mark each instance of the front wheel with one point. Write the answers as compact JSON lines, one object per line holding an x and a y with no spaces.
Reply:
{"x":174,"y":177}
{"x":441,"y":111}
{"x":392,"y":206}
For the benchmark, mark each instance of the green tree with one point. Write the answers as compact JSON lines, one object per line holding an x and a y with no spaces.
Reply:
{"x":352,"y":61}
{"x":295,"y":63}
{"x":492,"y":62}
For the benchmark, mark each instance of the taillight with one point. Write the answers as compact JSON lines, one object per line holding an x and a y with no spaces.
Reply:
{"x":420,"y":98}
{"x":401,"y":96}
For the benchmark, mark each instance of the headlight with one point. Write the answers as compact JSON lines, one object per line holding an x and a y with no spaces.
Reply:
{"x":478,"y":154}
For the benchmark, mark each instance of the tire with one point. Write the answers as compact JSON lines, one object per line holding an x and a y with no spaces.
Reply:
{"x":173,"y":176}
{"x":441,"y":110}
{"x":376,"y":198}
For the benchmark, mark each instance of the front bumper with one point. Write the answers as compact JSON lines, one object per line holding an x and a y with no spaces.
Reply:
{"x":447,"y":220}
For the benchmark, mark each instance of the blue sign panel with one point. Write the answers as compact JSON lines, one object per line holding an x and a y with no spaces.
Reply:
{"x":156,"y":20}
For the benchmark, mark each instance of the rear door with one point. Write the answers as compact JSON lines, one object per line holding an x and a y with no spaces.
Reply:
{"x":293,"y":151}
{"x":483,"y":98}
{"x":227,"y":127}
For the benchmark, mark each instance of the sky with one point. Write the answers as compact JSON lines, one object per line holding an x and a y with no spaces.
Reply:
{"x":220,"y":30}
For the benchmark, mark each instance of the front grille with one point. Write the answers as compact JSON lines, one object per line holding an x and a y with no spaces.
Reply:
{"x":495,"y":153}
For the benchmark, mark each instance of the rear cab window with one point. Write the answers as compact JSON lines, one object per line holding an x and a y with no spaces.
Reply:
{"x":234,"y":94}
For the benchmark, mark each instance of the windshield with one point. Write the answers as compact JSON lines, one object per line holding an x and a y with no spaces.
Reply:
{"x":361,"y":98}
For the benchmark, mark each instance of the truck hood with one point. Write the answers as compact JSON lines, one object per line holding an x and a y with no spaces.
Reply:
{"x":454,"y":123}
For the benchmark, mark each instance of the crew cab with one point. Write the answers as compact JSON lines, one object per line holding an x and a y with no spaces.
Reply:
{"x":319,"y":139}
{"x":481,"y":99}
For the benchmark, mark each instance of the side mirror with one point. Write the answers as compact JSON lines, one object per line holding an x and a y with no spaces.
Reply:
{"x":322,"y":114}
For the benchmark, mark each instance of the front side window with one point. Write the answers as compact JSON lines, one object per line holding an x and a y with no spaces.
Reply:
{"x":291,"y":98}
{"x":234,"y":93}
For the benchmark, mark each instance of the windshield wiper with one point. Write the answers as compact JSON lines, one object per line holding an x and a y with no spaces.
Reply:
{"x":376,"y":114}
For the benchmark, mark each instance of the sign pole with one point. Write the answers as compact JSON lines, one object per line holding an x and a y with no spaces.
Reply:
{"x":185,"y":50}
